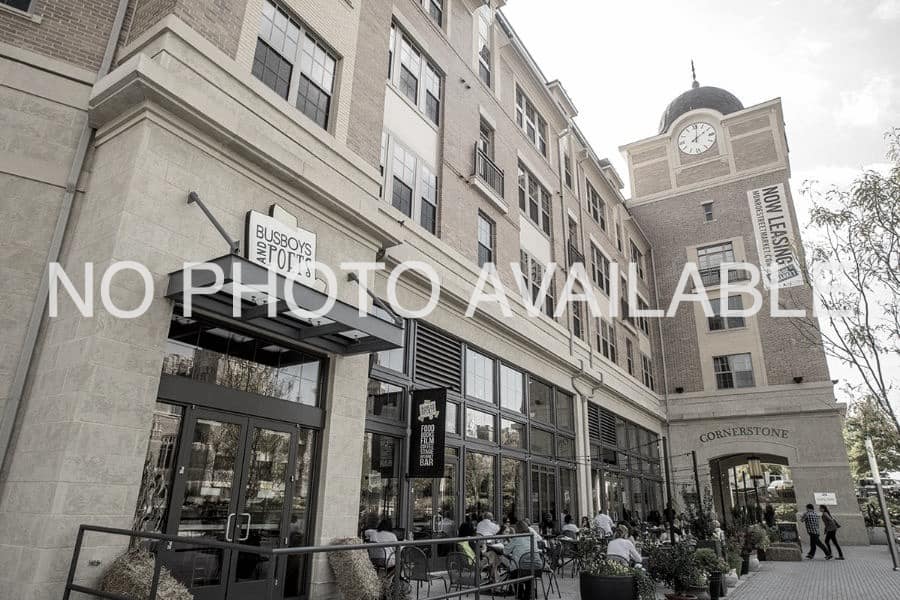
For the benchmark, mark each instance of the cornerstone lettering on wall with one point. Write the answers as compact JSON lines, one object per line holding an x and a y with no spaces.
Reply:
{"x":745,"y":431}
{"x":428,"y":423}
{"x":275,"y":245}
{"x":775,"y":236}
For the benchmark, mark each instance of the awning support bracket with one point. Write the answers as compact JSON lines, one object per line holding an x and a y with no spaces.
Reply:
{"x":233,"y":245}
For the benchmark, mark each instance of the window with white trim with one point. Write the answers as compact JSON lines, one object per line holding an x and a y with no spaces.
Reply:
{"x":600,"y":269}
{"x":707,"y":211}
{"x":413,"y":185}
{"x":619,"y":237}
{"x":485,"y":17}
{"x":733,"y":371}
{"x":596,"y":206}
{"x":637,"y":257}
{"x":534,"y":273}
{"x":534,"y":199}
{"x":283,"y":45}
{"x":629,"y":356}
{"x":647,"y":371}
{"x":567,"y":169}
{"x":435,"y":10}
{"x":577,"y":319}
{"x":531,"y":122}
{"x":710,"y":257}
{"x":417,"y":78}
{"x":23,"y":5}
{"x":485,"y":240}
{"x":718,"y":322}
{"x":643,"y":322}
{"x":606,"y":339}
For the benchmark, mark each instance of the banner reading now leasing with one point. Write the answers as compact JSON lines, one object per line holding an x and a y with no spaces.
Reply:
{"x":775,"y":240}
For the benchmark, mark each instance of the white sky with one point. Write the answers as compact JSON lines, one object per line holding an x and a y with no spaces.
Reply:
{"x":834,"y":63}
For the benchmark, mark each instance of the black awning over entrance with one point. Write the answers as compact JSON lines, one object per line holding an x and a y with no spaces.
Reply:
{"x":342,"y":331}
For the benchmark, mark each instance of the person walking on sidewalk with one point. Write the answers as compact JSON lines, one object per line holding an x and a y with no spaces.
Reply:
{"x":831,"y":527}
{"x":811,"y":519}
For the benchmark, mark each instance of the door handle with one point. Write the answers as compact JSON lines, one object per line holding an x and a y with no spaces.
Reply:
{"x":247,"y":535}
{"x":228,"y":537}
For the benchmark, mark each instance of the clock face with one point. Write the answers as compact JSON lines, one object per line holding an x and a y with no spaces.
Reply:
{"x":696,"y":138}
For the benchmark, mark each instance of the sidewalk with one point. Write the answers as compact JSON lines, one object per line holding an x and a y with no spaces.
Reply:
{"x":865,"y":575}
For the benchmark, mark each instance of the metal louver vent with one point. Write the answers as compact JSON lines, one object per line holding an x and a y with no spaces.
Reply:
{"x":594,"y":422}
{"x":438,"y":359}
{"x":608,"y":429}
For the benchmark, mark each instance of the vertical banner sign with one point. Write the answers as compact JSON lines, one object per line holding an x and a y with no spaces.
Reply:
{"x":289,"y":250}
{"x":429,"y":428}
{"x":775,"y":236}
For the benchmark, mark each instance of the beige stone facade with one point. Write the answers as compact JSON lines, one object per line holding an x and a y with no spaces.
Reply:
{"x":182,"y":111}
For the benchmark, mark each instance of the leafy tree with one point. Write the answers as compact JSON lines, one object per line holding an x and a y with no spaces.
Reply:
{"x":858,"y":243}
{"x":866,"y":419}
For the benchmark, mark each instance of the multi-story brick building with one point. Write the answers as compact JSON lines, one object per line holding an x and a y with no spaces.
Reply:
{"x":413,"y":131}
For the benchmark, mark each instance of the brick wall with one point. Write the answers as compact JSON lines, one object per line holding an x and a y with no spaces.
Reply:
{"x":219,"y":21}
{"x":75,"y":32}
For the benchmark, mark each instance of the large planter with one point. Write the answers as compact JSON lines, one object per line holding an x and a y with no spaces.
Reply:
{"x":682,"y":596}
{"x":754,"y":563}
{"x":731,"y":578}
{"x":700,"y":592}
{"x":619,"y":587}
{"x":716,"y":585}
{"x":877,"y":536}
{"x":760,"y":554}
{"x":745,"y":564}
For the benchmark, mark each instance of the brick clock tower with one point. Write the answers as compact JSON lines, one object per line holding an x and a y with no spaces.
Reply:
{"x":712,"y":186}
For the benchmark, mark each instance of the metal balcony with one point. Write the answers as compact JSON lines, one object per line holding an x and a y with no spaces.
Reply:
{"x":575,"y":255}
{"x":713,"y":276}
{"x":488,"y":172}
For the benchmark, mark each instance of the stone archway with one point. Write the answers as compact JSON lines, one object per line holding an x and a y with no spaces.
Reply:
{"x":734,"y":493}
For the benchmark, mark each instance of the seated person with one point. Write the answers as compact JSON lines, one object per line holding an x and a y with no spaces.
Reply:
{"x":486,"y":525}
{"x":623,"y":547}
{"x":569,"y":528}
{"x":383,"y":534}
{"x":665,"y":538}
{"x":538,"y":540}
{"x":466,"y":529}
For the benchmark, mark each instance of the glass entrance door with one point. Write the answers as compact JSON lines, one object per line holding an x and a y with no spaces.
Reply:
{"x":543,"y":497}
{"x":434,"y":506}
{"x":246,"y":481}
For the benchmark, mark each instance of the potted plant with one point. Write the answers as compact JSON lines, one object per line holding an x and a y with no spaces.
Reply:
{"x":714,"y":568}
{"x":675,"y":567}
{"x":757,"y":538}
{"x":734,"y":560}
{"x":599,"y":577}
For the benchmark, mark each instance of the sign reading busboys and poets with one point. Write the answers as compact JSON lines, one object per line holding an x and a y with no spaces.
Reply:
{"x":274,"y":244}
{"x":775,"y":236}
{"x":429,"y":428}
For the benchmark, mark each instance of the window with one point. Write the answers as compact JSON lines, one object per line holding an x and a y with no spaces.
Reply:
{"x":619,"y":237}
{"x":486,"y":139}
{"x":428,"y":205}
{"x":540,"y":401}
{"x":710,"y":257}
{"x":512,"y":434}
{"x":534,"y":199}
{"x":395,"y":359}
{"x":485,"y":21}
{"x":479,"y":376}
{"x":572,"y":226}
{"x":512,"y":393}
{"x":718,"y":322}
{"x":22,"y":5}
{"x":623,"y":302}
{"x":531,"y":122}
{"x":404,"y":179}
{"x":629,"y":355}
{"x":485,"y":240}
{"x":597,"y":207}
{"x":567,"y":169}
{"x":565,"y":448}
{"x":515,"y":486}
{"x":565,"y":411}
{"x":281,"y":45}
{"x":637,"y":257}
{"x":435,"y":9}
{"x":643,"y":322}
{"x":577,"y":319}
{"x":647,"y":371}
{"x":600,"y":269}
{"x":534,"y":273}
{"x":733,"y":371}
{"x":479,"y":484}
{"x":380,"y":482}
{"x":480,"y":426}
{"x":452,"y":418}
{"x":707,"y":211}
{"x":384,"y":400}
{"x":411,"y":178}
{"x":541,"y":442}
{"x":606,"y":340}
{"x":412,"y":70}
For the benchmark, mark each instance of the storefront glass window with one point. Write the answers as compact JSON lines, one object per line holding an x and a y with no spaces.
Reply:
{"x":394,"y":360}
{"x":380,"y":492}
{"x":512,"y":476}
{"x":512,"y":433}
{"x":156,"y":481}
{"x":480,"y":479}
{"x":543,"y":497}
{"x":479,"y":376}
{"x":385,"y":400}
{"x":569,"y":494}
{"x":541,"y":442}
{"x":540,"y":401}
{"x":565,"y":411}
{"x":565,"y":447}
{"x":298,"y":529}
{"x":452,"y":417}
{"x":512,"y":392}
{"x":480,"y":426}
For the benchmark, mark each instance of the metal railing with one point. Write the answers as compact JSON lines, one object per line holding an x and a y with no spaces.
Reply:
{"x":575,"y":255}
{"x":281,"y":553}
{"x":714,"y":276}
{"x":487,"y":171}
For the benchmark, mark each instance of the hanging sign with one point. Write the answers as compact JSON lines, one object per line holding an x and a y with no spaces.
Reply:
{"x":775,"y":236}
{"x":825,"y":498}
{"x":428,"y":423}
{"x":276,"y":245}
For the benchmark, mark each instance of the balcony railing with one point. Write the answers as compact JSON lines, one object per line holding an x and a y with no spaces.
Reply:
{"x":488,"y":172}
{"x":575,"y":255}
{"x":714,"y":276}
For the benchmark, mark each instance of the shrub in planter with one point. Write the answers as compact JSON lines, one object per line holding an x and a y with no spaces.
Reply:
{"x":675,"y":567}
{"x":607,"y":579}
{"x":355,"y":576}
{"x":713,"y":568}
{"x":131,"y":574}
{"x":758,"y":537}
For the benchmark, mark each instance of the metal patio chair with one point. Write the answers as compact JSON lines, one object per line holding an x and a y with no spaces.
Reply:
{"x":414,"y":567}
{"x":534,"y":562}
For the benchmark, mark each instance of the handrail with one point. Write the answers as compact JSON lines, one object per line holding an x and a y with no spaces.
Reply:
{"x":488,"y":171}
{"x":71,"y":586}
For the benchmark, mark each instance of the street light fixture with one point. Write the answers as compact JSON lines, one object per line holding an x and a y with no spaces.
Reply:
{"x":754,"y":466}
